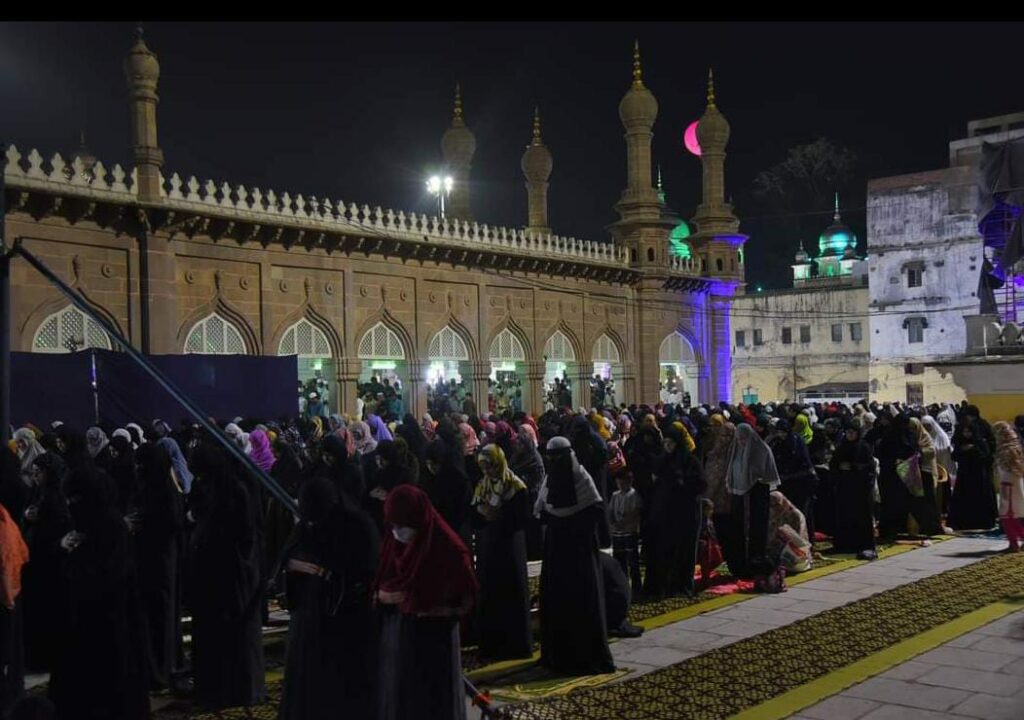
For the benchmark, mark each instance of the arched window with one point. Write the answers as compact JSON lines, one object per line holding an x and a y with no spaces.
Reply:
{"x":676,"y":349}
{"x":447,"y":345}
{"x":718,"y":264}
{"x":506,"y":347}
{"x":305,"y":340}
{"x":650,"y":254}
{"x":559,"y":348}
{"x":69,"y":330}
{"x":605,"y":350}
{"x":381,"y":343}
{"x":213,"y":335}
{"x":632,"y":254}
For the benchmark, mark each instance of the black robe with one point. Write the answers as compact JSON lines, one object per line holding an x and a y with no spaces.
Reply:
{"x":420,"y":667}
{"x":44,"y":583}
{"x":450,"y":493}
{"x":227,"y":642}
{"x":973,"y":503}
{"x":504,"y":607}
{"x":853,"y":479}
{"x":673,"y":524}
{"x":574,"y":634}
{"x":330,"y":664}
{"x":99,"y":673}
{"x":799,"y":480}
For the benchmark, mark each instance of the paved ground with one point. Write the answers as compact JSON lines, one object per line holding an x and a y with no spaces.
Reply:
{"x":977,"y":675}
{"x":687,"y":638}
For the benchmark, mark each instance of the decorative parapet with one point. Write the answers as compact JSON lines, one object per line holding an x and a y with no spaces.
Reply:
{"x":987,"y":336}
{"x":256,"y":207}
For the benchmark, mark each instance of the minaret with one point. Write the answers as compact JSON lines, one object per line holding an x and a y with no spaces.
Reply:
{"x":142,"y":71}
{"x":458,"y":146}
{"x":719,"y":243}
{"x":537,"y":165}
{"x":638,"y":110}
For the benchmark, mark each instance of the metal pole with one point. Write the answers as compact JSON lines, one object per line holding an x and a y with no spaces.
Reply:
{"x":5,"y":310}
{"x":194,"y":410}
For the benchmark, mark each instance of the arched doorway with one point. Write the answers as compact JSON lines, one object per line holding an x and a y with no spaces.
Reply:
{"x":558,"y":353}
{"x":508,"y":361}
{"x":384,"y":367}
{"x":316,"y":365}
{"x":446,"y":389}
{"x":607,"y":366}
{"x":679,"y":370}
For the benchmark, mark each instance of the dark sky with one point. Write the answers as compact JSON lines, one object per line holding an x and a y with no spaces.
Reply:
{"x":356,"y":110}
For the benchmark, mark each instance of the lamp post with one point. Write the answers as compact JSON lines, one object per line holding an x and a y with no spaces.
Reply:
{"x":440,"y":187}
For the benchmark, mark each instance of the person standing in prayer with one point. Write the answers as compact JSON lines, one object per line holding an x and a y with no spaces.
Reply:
{"x":425,"y":582}
{"x":674,"y":520}
{"x":944,"y":463}
{"x":1008,"y":467}
{"x":447,"y":485}
{"x":99,"y":670}
{"x":924,"y":507}
{"x":122,"y":471}
{"x":793,"y":461}
{"x":98,"y":443}
{"x":853,"y":471}
{"x":501,"y":499}
{"x":395,"y":466}
{"x":13,"y":557}
{"x":331,"y":562}
{"x":625,"y":512}
{"x":750,"y":477}
{"x":227,"y":642}
{"x":29,"y":449}
{"x":573,"y":623}
{"x":973,"y":503}
{"x":158,"y":523}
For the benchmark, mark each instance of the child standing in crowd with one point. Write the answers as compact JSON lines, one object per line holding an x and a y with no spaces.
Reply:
{"x":1009,"y":477}
{"x":624,"y":514}
{"x":709,"y":552}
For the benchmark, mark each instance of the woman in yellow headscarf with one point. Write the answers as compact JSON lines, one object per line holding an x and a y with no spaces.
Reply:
{"x":802,"y":428}
{"x":688,"y":440}
{"x":502,"y":499}
{"x":599,"y":424}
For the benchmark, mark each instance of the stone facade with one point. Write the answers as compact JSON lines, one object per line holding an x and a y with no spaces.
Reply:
{"x":179,"y":265}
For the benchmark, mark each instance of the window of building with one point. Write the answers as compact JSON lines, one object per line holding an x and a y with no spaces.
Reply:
{"x":632,"y":254}
{"x":718,"y":264}
{"x":805,"y":333}
{"x":915,"y":393}
{"x":650,"y":254}
{"x":837,"y":332}
{"x":741,"y":338}
{"x":758,"y":337}
{"x":855,"y":332}
{"x":915,"y":274}
{"x":787,"y":336}
{"x":915,"y":329}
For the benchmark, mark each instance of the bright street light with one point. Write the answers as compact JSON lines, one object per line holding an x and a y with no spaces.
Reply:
{"x":441,"y":188}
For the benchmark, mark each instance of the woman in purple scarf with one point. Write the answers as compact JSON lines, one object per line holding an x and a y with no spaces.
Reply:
{"x":378,"y":428}
{"x":261,"y":453}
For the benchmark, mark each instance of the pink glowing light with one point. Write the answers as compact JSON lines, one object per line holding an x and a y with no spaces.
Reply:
{"x":690,"y":139}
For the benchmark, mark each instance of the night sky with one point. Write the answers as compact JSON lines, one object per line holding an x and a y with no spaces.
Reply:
{"x":356,"y":110}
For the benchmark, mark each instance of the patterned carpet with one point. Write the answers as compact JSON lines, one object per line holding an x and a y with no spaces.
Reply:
{"x":730,"y":679}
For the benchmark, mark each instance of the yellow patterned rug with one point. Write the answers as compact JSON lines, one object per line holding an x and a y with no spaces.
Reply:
{"x":535,"y":682}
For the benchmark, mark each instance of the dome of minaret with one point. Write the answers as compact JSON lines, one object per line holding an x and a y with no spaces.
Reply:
{"x":838,"y":238}
{"x":537,"y":162}
{"x":713,"y":128}
{"x":141,"y":64}
{"x":638,"y":105}
{"x":458,"y":144}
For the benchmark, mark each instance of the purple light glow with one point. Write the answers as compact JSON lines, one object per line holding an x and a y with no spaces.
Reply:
{"x":690,"y":139}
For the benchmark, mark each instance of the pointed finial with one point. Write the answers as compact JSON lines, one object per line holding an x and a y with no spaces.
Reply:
{"x":536,"y":127}
{"x":638,"y":73}
{"x":711,"y":89}
{"x":836,"y":216}
{"x":457,"y":117}
{"x":659,"y":177}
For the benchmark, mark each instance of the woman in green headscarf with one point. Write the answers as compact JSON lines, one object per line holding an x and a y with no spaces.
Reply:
{"x":802,"y":428}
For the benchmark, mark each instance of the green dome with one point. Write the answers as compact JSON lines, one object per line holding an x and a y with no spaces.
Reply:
{"x":677,"y":240}
{"x":837,"y":238}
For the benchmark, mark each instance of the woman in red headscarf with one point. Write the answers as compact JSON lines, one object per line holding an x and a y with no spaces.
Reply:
{"x":425,"y":582}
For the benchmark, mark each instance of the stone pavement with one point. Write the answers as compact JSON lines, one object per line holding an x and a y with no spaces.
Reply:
{"x":978,"y":675}
{"x":687,"y":638}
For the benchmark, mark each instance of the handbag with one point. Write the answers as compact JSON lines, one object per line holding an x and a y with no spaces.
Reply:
{"x":909,"y":471}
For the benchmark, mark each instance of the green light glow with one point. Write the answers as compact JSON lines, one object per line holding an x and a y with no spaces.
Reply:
{"x":679,"y":247}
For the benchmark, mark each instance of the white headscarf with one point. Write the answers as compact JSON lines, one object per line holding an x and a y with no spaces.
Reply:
{"x":241,"y":439}
{"x":586,"y":490}
{"x":939,"y":437}
{"x":96,"y":440}
{"x":750,"y":462}
{"x":32,"y":450}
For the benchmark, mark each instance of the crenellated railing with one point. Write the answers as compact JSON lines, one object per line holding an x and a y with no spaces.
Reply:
{"x":254,"y":205}
{"x":986,"y":335}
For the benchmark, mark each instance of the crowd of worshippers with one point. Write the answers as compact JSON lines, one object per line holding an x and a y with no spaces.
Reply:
{"x":410,"y":540}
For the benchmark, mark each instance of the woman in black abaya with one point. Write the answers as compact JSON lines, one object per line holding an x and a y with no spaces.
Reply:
{"x":853,"y":471}
{"x":99,"y":673}
{"x":973,"y":504}
{"x":330,"y":567}
{"x":227,"y":642}
{"x":574,"y":636}
{"x":159,"y":521}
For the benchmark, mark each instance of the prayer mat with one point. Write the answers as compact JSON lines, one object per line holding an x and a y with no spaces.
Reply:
{"x":535,"y":682}
{"x":737,"y":677}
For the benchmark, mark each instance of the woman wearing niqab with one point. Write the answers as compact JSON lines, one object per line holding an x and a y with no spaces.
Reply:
{"x":425,"y":582}
{"x":973,"y":503}
{"x":502,"y":504}
{"x":750,"y":477}
{"x":574,"y":635}
{"x":330,"y":565}
{"x":853,"y":473}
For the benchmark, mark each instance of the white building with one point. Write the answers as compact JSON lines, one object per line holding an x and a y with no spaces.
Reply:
{"x":926,"y":255}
